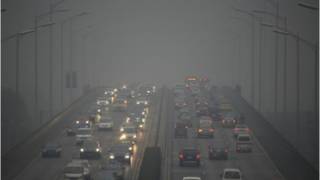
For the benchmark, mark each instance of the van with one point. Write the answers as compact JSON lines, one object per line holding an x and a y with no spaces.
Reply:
{"x":243,"y":143}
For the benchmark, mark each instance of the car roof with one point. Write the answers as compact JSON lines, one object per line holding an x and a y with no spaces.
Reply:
{"x":191,"y":178}
{"x":241,"y":126}
{"x":232,"y":169}
{"x":243,"y":135}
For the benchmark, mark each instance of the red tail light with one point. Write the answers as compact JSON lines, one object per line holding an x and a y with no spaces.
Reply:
{"x":211,"y":130}
{"x":198,"y":156}
{"x":180,"y":156}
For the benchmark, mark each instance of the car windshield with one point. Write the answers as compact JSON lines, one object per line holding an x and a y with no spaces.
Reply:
{"x":51,"y":146}
{"x":241,"y":126}
{"x":89,"y":144}
{"x":244,"y":138}
{"x":130,"y":130}
{"x":189,"y":151}
{"x":73,"y":169}
{"x":83,"y":132}
{"x":232,"y":175}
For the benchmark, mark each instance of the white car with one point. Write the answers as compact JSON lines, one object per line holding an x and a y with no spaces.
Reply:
{"x":83,"y":135}
{"x":105,"y":124}
{"x":142,"y":100}
{"x":231,"y":174}
{"x":243,"y":143}
{"x":77,"y":169}
{"x":191,"y":178}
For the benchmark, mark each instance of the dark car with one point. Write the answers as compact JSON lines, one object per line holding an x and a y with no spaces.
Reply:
{"x":121,"y":153}
{"x":189,"y":156}
{"x":202,"y":110}
{"x":90,"y":149}
{"x":180,"y":130}
{"x":70,"y":132}
{"x":187,"y":119}
{"x":51,"y":150}
{"x":110,"y":170}
{"x":217,"y":152}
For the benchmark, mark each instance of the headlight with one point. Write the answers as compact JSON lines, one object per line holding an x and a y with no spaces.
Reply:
{"x":99,"y":110}
{"x":121,"y":129}
{"x":123,"y":136}
{"x":143,"y":119}
{"x":115,"y":90}
{"x":200,"y":130}
{"x":77,"y":122}
{"x":141,"y":126}
{"x":143,"y":113}
{"x":111,"y":156}
{"x":127,"y":156}
{"x":146,"y":102}
{"x":134,"y":136}
{"x":130,"y":148}
{"x":98,"y":150}
{"x":81,"y":150}
{"x":148,"y":92}
{"x":126,"y":102}
{"x":138,"y":103}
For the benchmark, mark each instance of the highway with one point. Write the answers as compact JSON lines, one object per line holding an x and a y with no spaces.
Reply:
{"x":52,"y":168}
{"x":159,"y":131}
{"x":255,"y":165}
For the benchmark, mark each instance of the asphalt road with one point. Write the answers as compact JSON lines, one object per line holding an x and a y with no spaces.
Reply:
{"x":52,"y":168}
{"x":255,"y":165}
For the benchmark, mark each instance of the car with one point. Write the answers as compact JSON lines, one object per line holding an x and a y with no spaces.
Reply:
{"x":90,"y":149}
{"x":82,"y":135}
{"x":229,"y":120}
{"x":120,"y":104}
{"x":83,"y":122}
{"x":128,"y":132}
{"x":191,"y":178}
{"x":189,"y":156}
{"x":202,"y":110}
{"x":121,"y":153}
{"x":105,"y":123}
{"x":231,"y":174}
{"x":217,"y":152}
{"x":142,"y":100}
{"x":243,"y":143}
{"x":205,"y":127}
{"x":51,"y":150}
{"x":180,"y":103}
{"x":129,"y":144}
{"x":180,"y":130}
{"x":240,"y":129}
{"x":102,"y":101}
{"x":137,"y":117}
{"x":110,"y":170}
{"x":70,"y":131}
{"x":186,"y":118}
{"x":77,"y":169}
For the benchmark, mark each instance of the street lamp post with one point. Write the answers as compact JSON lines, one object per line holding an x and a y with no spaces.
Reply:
{"x":315,"y":47}
{"x":70,"y":19}
{"x":252,"y":51}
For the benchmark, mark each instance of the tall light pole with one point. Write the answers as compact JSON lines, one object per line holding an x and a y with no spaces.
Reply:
{"x":316,"y":54}
{"x":284,"y":19}
{"x":312,"y":45}
{"x":70,"y":20}
{"x":252,"y":51}
{"x":36,"y":19}
{"x":18,"y":36}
